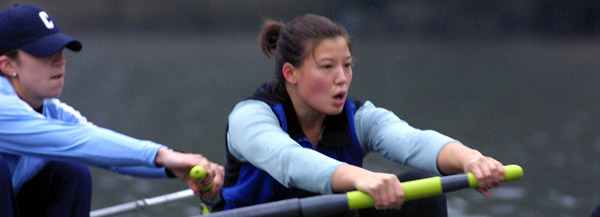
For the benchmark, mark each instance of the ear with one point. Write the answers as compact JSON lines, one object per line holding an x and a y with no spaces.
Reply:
{"x":289,"y":73}
{"x":5,"y":65}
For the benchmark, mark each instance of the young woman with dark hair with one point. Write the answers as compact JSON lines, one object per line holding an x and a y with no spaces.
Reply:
{"x":303,"y":134}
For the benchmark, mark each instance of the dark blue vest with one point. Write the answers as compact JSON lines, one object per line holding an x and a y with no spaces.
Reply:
{"x":247,"y":185}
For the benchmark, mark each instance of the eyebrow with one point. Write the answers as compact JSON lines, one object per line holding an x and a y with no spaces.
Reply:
{"x":332,"y":59}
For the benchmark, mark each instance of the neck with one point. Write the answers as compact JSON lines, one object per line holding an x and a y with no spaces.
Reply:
{"x":311,"y":121}
{"x":34,"y":102}
{"x":312,"y":126}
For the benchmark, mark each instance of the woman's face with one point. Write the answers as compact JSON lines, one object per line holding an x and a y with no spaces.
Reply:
{"x":39,"y":77}
{"x":325,"y":76}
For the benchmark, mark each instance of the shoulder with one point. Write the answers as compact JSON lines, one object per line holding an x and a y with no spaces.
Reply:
{"x":56,"y":103}
{"x":12,"y":105}
{"x":62,"y":111}
{"x":356,"y":101}
{"x":250,"y":104}
{"x":369,"y":114}
{"x":367,"y":106}
{"x":249,"y":108}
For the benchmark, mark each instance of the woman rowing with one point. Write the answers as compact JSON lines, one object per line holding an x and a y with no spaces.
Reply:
{"x":46,"y":145}
{"x":303,"y":134}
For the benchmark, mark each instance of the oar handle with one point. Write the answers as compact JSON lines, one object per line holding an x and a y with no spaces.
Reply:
{"x":431,"y":186}
{"x":511,"y":173}
{"x":198,"y":173}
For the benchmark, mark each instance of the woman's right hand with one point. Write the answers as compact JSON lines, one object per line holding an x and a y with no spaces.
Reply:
{"x":383,"y":187}
{"x":182,"y":163}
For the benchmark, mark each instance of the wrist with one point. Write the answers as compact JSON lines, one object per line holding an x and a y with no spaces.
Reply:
{"x":454,"y":157}
{"x":346,"y":177}
{"x":159,"y":160}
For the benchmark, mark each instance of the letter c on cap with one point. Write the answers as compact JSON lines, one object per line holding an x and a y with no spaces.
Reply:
{"x":49,"y":24}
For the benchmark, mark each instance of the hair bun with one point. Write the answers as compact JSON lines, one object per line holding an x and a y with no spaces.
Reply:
{"x":271,"y":39}
{"x":268,"y":36}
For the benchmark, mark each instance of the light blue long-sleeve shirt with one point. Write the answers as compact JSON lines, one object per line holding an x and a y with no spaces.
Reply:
{"x":29,"y":139}
{"x":255,"y":136}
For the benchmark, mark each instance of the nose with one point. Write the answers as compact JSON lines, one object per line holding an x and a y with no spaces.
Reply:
{"x":59,"y":59}
{"x":342,"y":75}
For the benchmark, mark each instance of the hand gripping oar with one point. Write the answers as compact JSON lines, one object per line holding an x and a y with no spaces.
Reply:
{"x":197,"y":173}
{"x":324,"y":205}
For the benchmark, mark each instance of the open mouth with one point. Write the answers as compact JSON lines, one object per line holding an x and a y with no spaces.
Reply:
{"x":58,"y":76}
{"x":339,"y":96}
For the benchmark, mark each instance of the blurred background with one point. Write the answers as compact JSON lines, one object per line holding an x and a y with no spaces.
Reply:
{"x":518,"y":80}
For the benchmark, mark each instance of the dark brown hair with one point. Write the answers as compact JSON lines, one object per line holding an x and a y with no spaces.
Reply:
{"x":12,"y":53}
{"x":292,"y":42}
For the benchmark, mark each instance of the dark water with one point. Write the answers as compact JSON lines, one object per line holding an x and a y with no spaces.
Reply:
{"x":527,"y":101}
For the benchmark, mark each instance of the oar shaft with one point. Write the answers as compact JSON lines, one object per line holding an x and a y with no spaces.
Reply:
{"x":309,"y":206}
{"x":141,"y":204}
{"x":281,"y":208}
{"x":197,"y":173}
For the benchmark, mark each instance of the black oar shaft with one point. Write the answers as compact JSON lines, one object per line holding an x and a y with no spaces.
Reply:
{"x":310,"y":206}
{"x":282,"y":208}
{"x":313,"y":206}
{"x":454,"y":182}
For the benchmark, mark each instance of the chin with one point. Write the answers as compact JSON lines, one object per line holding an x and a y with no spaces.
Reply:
{"x":54,"y":94}
{"x":335,"y":111}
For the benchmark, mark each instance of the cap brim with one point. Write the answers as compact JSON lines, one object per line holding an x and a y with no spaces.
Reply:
{"x":51,"y":44}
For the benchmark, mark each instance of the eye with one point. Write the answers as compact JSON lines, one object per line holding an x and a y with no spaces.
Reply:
{"x":327,"y":66}
{"x":348,"y":65}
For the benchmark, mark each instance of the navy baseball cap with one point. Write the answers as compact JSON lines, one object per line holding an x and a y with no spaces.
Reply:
{"x":32,"y":30}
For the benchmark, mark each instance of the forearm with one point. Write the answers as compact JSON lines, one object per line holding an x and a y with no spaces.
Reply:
{"x":295,"y":166}
{"x":345,"y":177}
{"x":382,"y":131}
{"x":384,"y":188}
{"x":160,"y":158}
{"x":88,"y":144}
{"x":454,"y":156}
{"x":168,"y":158}
{"x":142,"y":171}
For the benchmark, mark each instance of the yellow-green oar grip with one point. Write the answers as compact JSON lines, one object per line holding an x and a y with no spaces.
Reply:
{"x":422,"y":188}
{"x":198,"y":173}
{"x":359,"y":200}
{"x":412,"y":190}
{"x":511,"y":172}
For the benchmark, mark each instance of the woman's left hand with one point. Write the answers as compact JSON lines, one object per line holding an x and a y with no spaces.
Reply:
{"x":488,"y":171}
{"x":456,"y":158}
